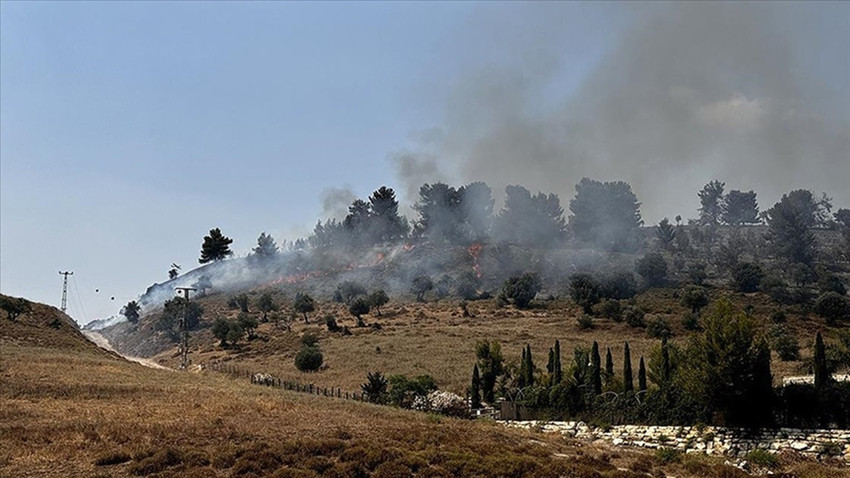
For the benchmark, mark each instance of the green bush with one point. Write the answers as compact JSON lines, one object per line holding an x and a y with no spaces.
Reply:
{"x":309,"y":340}
{"x":784,"y":343}
{"x":611,"y":309}
{"x":585,"y":322}
{"x":747,"y":277}
{"x":634,"y":316}
{"x":658,"y":328}
{"x":309,"y":359}
{"x":653,"y":268}
{"x":691,"y":321}
{"x":668,"y":455}
{"x":763,"y":458}
{"x":833,"y":307}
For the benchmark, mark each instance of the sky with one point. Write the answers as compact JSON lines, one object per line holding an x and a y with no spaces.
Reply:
{"x":129,"y":129}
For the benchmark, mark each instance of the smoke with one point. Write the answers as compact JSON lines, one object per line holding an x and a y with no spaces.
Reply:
{"x":741,"y":92}
{"x":335,"y":202}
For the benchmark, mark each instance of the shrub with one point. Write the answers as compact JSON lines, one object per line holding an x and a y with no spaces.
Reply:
{"x":634,"y":316}
{"x":467,"y":286}
{"x":763,"y":458}
{"x":658,"y":328}
{"x":521,"y":289}
{"x":832,"y":307}
{"x":694,"y":297}
{"x":697,"y":274}
{"x":691,"y":321}
{"x":330,"y":321}
{"x":619,"y":285}
{"x":421,"y":284}
{"x":784,"y":343}
{"x":347,"y":291}
{"x":830,"y":282}
{"x":584,"y":290}
{"x":777,"y":317}
{"x":309,"y":340}
{"x":378,"y":299}
{"x":611,"y":309}
{"x":357,"y":308}
{"x":667,"y":455}
{"x":747,"y":277}
{"x":309,"y":359}
{"x":653,"y":268}
{"x":831,"y":449}
{"x":585,"y":321}
{"x":375,"y":388}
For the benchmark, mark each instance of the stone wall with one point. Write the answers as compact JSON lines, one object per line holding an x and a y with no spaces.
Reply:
{"x":731,"y":442}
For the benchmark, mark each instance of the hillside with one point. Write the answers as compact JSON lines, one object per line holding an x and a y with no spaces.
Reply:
{"x":77,"y":411}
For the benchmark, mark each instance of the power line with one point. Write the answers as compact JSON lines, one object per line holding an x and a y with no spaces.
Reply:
{"x":65,"y":289}
{"x":184,"y":329}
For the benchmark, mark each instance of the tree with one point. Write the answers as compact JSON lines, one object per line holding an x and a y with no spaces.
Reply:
{"x":619,"y":285}
{"x":822,"y":375}
{"x":348,"y":290}
{"x":489,"y":355}
{"x":385,"y":223}
{"x":226,"y":330}
{"x":666,"y":233}
{"x":747,"y":277}
{"x":14,"y":306}
{"x":439,"y":212}
{"x":357,"y":309}
{"x":609,"y":366}
{"x":304,"y":304}
{"x":216,"y":247}
{"x":536,"y":220}
{"x":241,"y":302}
{"x":247,"y":323}
{"x":377,"y":300}
{"x":595,"y":369}
{"x":789,"y":225}
{"x":606,"y":215}
{"x":203,"y":284}
{"x":309,"y":359}
{"x":174,"y":271}
{"x":375,"y":388}
{"x":529,"y":367}
{"x":266,"y":304}
{"x":833,"y":307}
{"x":628,"y":381}
{"x":476,"y":211}
{"x":711,"y":203}
{"x":131,"y":312}
{"x":557,"y":363}
{"x":641,"y":376}
{"x":266,"y":247}
{"x":740,"y":208}
{"x":421,"y":284}
{"x":175,"y":309}
{"x":653,"y":268}
{"x":695,"y":297}
{"x":521,"y":290}
{"x":584,"y":290}
{"x":475,"y":390}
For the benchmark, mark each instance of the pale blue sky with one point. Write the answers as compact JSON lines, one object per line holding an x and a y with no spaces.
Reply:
{"x":128,"y":130}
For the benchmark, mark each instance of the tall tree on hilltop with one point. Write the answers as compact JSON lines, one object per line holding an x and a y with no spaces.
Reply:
{"x":386,"y":224}
{"x":439,"y":211}
{"x":740,"y":208}
{"x":789,"y":224}
{"x":266,"y":247}
{"x":711,"y":202}
{"x":666,"y":233}
{"x":476,"y":211}
{"x":131,"y":312}
{"x":606,"y":215}
{"x":531,"y":219}
{"x":216,"y":247}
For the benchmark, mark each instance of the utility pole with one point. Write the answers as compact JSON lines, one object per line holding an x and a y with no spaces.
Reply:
{"x":184,"y":329}
{"x":65,"y":289}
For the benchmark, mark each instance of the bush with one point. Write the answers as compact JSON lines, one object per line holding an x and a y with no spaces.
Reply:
{"x":784,"y":343}
{"x":584,"y":291}
{"x":697,"y":274}
{"x":691,"y":321}
{"x":421,"y":284}
{"x":620,"y":286}
{"x":309,"y":340}
{"x":611,"y":309}
{"x":375,"y":388}
{"x":653,"y":268}
{"x":747,"y":277}
{"x":357,"y":308}
{"x":832,"y":307}
{"x":521,"y":290}
{"x":668,"y":455}
{"x":585,"y":322}
{"x":634,"y":316}
{"x":763,"y":458}
{"x":777,"y":317}
{"x":309,"y":359}
{"x":830,"y":282}
{"x":330,"y":321}
{"x":694,"y":297}
{"x":658,"y":328}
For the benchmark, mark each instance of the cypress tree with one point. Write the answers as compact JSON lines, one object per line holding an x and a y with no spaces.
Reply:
{"x":529,"y":364}
{"x":609,"y":365}
{"x":761,"y":413}
{"x":641,"y":376}
{"x":522,"y":369}
{"x":475,"y":398}
{"x":595,"y":375}
{"x":666,"y":371}
{"x":558,"y":376}
{"x":628,"y":383}
{"x":550,"y":366}
{"x":821,"y":370}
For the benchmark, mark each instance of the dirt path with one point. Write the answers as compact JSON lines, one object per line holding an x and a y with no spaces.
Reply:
{"x":101,"y":342}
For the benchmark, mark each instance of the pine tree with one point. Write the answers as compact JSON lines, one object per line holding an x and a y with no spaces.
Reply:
{"x":131,"y":311}
{"x":266,"y":247}
{"x":216,"y":247}
{"x":558,"y":375}
{"x":475,"y":398}
{"x":641,"y":376}
{"x":595,"y":373}
{"x":628,"y":383}
{"x":821,"y":370}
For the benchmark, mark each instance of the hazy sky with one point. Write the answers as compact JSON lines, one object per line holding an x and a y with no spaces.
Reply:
{"x":128,"y":130}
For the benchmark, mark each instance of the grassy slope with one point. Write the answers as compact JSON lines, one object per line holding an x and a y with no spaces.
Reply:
{"x":435,"y":339}
{"x":70,"y":409}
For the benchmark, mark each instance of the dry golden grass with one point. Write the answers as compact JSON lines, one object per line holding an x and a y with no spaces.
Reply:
{"x":435,"y":339}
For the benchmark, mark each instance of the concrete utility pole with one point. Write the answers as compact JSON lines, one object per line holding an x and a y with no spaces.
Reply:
{"x":65,"y":289}
{"x":184,"y":329}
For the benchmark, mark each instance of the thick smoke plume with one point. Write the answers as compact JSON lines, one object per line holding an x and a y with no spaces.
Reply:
{"x":690,"y":92}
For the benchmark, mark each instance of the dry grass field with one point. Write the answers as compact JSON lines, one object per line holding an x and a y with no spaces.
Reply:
{"x":69,"y":409}
{"x":433,"y":338}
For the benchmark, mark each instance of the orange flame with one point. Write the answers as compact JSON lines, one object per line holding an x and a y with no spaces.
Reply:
{"x":474,"y":250}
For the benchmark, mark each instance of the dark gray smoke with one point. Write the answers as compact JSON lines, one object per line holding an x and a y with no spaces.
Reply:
{"x":754,"y":94}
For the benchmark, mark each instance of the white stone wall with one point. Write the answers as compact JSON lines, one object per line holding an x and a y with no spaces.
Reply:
{"x":712,"y":440}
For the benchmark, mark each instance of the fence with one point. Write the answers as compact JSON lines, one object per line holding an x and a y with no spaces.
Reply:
{"x":261,"y":378}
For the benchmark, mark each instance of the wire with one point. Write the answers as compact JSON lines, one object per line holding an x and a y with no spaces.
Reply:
{"x":79,"y":300}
